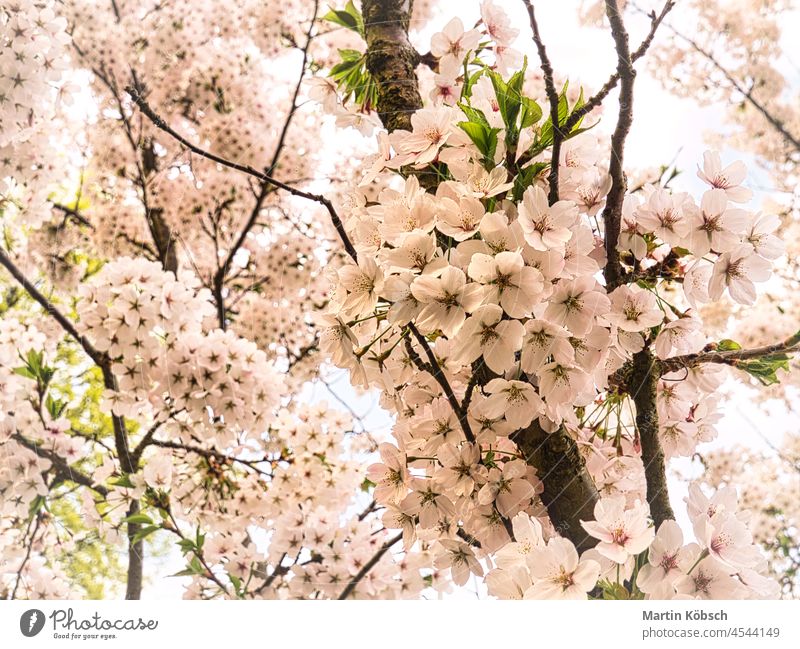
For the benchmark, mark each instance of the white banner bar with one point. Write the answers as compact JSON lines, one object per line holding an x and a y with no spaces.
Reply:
{"x":390,"y":625}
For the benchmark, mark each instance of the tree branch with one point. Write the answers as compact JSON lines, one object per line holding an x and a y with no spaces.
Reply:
{"x":61,"y":466}
{"x":210,"y":453}
{"x":369,"y":565}
{"x":252,"y":171}
{"x":730,"y":357}
{"x":219,"y":277}
{"x":773,"y":121}
{"x":612,"y":213}
{"x":643,"y":390}
{"x":73,"y":214}
{"x":595,"y":100}
{"x":134,"y":587}
{"x":435,"y":370}
{"x":66,"y":324}
{"x":569,"y":492}
{"x":552,"y":97}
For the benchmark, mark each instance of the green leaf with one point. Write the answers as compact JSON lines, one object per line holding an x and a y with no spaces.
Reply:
{"x":525,"y":178}
{"x":349,"y":17}
{"x":142,"y":519}
{"x":728,"y":345}
{"x":765,"y":369}
{"x":145,"y":532}
{"x":531,"y":113}
{"x":237,"y":583}
{"x":353,"y":79}
{"x":613,"y":590}
{"x":199,"y":539}
{"x":186,"y":545}
{"x":36,"y":369}
{"x":470,"y":80}
{"x":55,"y":407}
{"x":473,"y":114}
{"x":484,"y":137}
{"x":367,"y":484}
{"x":36,"y":504}
{"x":545,"y":137}
{"x":194,"y":567}
{"x":123,"y":481}
{"x":24,"y":371}
{"x":488,"y":460}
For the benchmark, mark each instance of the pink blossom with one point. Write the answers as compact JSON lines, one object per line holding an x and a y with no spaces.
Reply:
{"x":622,"y":533}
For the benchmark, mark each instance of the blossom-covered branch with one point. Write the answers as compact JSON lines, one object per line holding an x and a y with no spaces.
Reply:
{"x":730,"y":356}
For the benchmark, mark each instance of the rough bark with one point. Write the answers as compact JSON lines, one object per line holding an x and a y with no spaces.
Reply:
{"x":569,"y":492}
{"x":391,"y":60}
{"x":642,"y":387}
{"x":612,"y":213}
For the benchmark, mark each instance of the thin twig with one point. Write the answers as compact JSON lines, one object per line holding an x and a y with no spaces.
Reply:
{"x":730,"y":357}
{"x":369,"y":565}
{"x":435,"y":370}
{"x":552,"y":97}
{"x":776,"y":123}
{"x":595,"y":100}
{"x":219,"y":277}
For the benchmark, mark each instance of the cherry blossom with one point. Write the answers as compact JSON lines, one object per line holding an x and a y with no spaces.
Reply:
{"x":728,"y":179}
{"x":622,"y":532}
{"x":560,"y":574}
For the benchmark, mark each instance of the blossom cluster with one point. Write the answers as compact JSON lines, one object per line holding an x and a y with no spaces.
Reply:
{"x":476,"y":304}
{"x":723,"y":563}
{"x":150,"y":324}
{"x":34,"y":54}
{"x":22,"y":471}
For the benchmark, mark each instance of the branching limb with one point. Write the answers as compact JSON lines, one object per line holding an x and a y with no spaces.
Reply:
{"x":435,"y":370}
{"x":730,"y":357}
{"x":266,"y":187}
{"x":773,"y":121}
{"x":612,"y":213}
{"x":595,"y":100}
{"x":128,"y":465}
{"x":73,"y":214}
{"x":61,"y":466}
{"x":552,"y":97}
{"x":210,"y":453}
{"x":369,"y":565}
{"x":66,"y":324}
{"x":252,"y":171}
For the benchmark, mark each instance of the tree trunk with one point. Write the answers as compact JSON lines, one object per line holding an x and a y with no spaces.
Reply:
{"x":391,"y":60}
{"x":569,"y":491}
